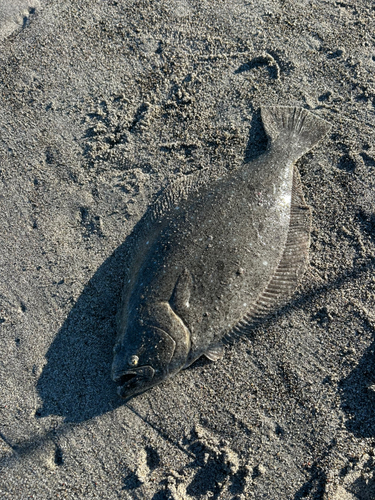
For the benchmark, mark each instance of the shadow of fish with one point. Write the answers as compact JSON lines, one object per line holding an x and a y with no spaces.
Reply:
{"x":213,"y":255}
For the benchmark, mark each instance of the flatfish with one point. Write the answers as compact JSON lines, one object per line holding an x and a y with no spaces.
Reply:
{"x":214,"y":255}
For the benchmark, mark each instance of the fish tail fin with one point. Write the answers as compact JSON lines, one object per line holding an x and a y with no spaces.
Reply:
{"x":294,"y":128}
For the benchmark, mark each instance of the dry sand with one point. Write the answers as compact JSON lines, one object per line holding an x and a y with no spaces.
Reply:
{"x":103,"y":103}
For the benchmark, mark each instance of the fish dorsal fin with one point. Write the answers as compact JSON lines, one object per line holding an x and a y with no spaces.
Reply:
{"x":181,"y":294}
{"x":215,"y":352}
{"x":289,"y":271}
{"x":148,"y":228}
{"x":294,"y":128}
{"x":178,"y":190}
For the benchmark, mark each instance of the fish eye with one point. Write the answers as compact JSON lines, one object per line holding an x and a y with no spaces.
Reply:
{"x":133,"y":360}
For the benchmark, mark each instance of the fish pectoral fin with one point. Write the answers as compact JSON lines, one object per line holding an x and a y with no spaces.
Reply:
{"x":180,"y":298}
{"x":215,"y":352}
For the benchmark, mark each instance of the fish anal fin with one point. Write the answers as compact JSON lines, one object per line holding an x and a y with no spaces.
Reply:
{"x":289,"y":271}
{"x":180,"y":298}
{"x":215,"y":352}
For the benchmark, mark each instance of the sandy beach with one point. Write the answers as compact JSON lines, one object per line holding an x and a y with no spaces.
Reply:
{"x":103,"y":103}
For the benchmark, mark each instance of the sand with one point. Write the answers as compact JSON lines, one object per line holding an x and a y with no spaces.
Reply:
{"x":102,"y":104}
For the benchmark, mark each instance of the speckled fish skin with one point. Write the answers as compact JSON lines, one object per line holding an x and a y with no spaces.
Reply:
{"x":209,"y":256}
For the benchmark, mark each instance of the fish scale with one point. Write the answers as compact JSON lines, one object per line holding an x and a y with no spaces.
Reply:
{"x":215,"y":255}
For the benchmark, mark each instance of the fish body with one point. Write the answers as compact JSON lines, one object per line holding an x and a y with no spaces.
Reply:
{"x":214,"y":254}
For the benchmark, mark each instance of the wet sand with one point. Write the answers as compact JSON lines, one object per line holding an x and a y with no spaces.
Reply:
{"x":102,"y":104}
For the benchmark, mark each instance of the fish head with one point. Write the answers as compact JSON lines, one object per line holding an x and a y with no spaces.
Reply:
{"x":142,"y":359}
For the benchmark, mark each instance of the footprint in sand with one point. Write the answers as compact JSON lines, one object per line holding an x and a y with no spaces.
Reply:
{"x":14,"y":14}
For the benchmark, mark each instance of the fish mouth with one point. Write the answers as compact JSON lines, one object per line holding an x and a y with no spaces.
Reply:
{"x":132,"y":382}
{"x":125,"y":378}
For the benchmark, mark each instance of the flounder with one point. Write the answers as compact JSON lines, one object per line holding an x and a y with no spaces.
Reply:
{"x":213,"y":255}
